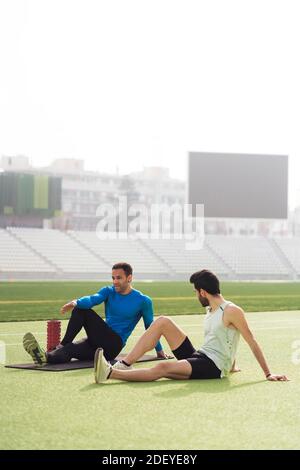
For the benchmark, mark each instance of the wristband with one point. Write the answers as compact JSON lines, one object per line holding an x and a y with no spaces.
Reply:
{"x":268,"y":375}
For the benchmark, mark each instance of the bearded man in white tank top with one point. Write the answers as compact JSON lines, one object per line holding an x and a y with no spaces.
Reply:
{"x":224,"y":323}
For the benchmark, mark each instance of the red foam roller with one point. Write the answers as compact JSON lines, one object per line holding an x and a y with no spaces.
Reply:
{"x":53,"y":334}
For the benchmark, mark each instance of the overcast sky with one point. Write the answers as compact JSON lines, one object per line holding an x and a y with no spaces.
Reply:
{"x":133,"y":83}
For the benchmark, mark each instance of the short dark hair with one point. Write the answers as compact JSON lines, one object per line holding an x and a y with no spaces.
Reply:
{"x":206,"y":280}
{"x":125,"y":266}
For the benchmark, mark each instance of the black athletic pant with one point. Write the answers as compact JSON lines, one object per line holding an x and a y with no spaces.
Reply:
{"x":99,"y":335}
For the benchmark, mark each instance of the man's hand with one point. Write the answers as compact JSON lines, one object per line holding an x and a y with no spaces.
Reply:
{"x":277,"y":378}
{"x":162,"y":355}
{"x":69,"y":306}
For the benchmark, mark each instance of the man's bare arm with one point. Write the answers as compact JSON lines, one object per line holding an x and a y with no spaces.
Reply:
{"x":237,"y":318}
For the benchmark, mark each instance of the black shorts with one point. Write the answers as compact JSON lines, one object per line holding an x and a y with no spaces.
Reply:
{"x":202,"y":366}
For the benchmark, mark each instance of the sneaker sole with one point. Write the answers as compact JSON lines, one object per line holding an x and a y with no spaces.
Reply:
{"x":96,"y":363}
{"x":32,"y":347}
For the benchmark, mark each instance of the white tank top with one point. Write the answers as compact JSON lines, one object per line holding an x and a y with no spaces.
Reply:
{"x":220,"y":342}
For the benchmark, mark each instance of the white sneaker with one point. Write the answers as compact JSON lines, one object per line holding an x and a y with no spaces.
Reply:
{"x":102,"y":368}
{"x":121,"y":366}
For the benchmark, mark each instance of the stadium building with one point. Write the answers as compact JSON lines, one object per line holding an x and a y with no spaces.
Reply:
{"x":48,"y":221}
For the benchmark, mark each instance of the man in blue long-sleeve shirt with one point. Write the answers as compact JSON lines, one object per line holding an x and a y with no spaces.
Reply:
{"x":124,"y":307}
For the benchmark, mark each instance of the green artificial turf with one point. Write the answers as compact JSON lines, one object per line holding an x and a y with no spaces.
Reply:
{"x":66,"y":410}
{"x":22,"y":301}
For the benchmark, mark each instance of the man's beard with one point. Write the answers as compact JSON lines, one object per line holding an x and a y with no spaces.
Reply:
{"x":203,"y":300}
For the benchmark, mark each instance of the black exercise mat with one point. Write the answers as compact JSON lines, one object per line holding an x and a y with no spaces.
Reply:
{"x":74,"y":364}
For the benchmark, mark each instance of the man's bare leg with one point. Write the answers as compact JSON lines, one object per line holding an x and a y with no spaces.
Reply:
{"x":179,"y":370}
{"x":163,"y":326}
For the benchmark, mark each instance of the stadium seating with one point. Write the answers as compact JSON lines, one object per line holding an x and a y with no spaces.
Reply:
{"x":18,"y":258}
{"x":44,"y":253}
{"x":131,"y":251}
{"x":183,"y":261}
{"x":64,"y":253}
{"x":290,"y":248}
{"x":248,"y":257}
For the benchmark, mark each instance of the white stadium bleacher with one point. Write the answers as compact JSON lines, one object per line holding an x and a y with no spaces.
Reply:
{"x":248,"y":256}
{"x":31,"y":253}
{"x":15,"y":257}
{"x":184,"y":261}
{"x":113,"y":250}
{"x":290,"y":247}
{"x":64,"y":253}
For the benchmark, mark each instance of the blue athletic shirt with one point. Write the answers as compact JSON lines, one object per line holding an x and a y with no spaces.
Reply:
{"x":122,"y":312}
